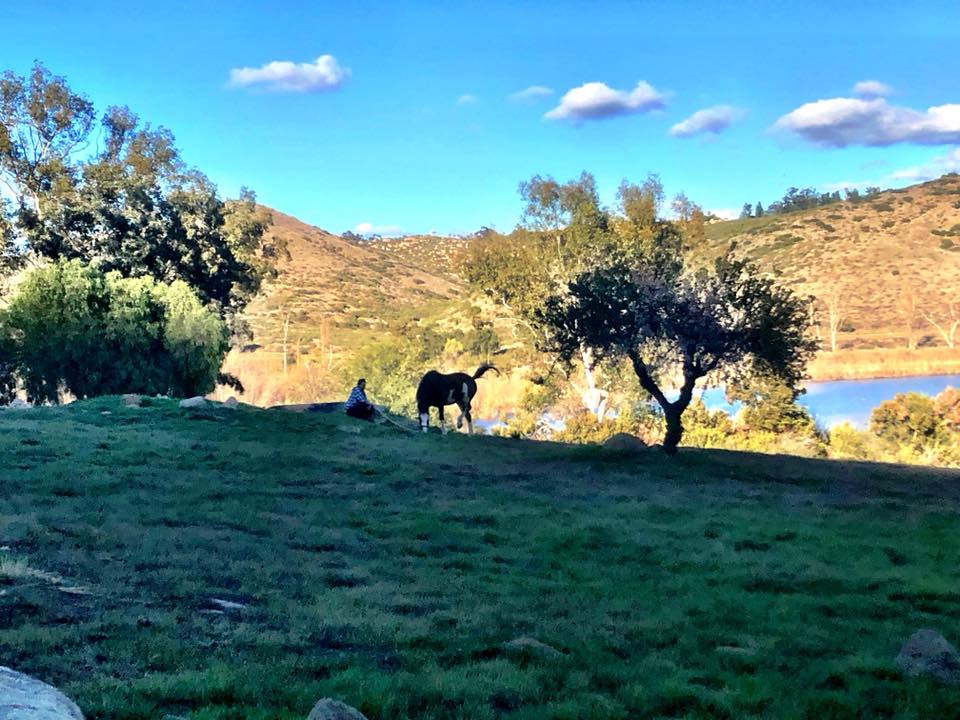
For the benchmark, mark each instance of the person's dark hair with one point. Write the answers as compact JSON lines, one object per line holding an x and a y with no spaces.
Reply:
{"x":361,"y":380}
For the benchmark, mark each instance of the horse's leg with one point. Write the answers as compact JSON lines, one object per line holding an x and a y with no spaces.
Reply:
{"x":424,"y":419}
{"x":443,"y":428}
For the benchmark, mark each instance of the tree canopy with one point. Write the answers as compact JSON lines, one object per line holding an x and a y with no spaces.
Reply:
{"x":684,"y":326}
{"x":72,"y":328}
{"x":119,"y":198}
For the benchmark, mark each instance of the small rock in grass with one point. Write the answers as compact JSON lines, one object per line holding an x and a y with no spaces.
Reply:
{"x":18,"y":404}
{"x":330,"y":709}
{"x":532,"y":646}
{"x":130,"y":400}
{"x":227,"y":604}
{"x":231,"y":403}
{"x":25,"y":698}
{"x":625,"y":443}
{"x":194,"y":402}
{"x":928,"y":653}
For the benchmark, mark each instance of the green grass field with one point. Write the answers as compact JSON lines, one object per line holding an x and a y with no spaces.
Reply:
{"x":388,"y":570}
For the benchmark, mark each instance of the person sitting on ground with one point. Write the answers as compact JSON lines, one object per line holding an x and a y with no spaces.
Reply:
{"x":357,"y":404}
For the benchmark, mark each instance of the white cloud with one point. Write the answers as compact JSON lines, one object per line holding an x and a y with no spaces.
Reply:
{"x":870,"y":89}
{"x":595,"y":100}
{"x":714,"y":120}
{"x":368,"y":228}
{"x":724,"y":213}
{"x":324,"y":73}
{"x":937,"y":166}
{"x":467,"y":99}
{"x":839,"y":122}
{"x":531,"y":94}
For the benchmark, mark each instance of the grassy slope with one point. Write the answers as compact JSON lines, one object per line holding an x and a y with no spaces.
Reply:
{"x":345,"y":294}
{"x":875,"y":253}
{"x":387,"y":569}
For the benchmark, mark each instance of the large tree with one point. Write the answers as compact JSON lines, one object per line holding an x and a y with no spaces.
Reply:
{"x":566,"y":231}
{"x":121,"y":199}
{"x":681,"y":327}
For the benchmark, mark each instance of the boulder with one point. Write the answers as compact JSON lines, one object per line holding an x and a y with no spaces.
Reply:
{"x":25,"y":698}
{"x":532,"y":646}
{"x":928,"y":653}
{"x":130,"y":400}
{"x":231,"y":403}
{"x":330,"y":709}
{"x":194,"y":402}
{"x":18,"y":404}
{"x":625,"y":443}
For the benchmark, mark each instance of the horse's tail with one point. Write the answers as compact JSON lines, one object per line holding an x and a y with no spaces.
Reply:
{"x":483,"y":368}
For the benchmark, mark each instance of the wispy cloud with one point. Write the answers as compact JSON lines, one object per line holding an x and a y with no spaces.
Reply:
{"x":870,"y":89}
{"x":839,"y":122}
{"x":324,"y":73}
{"x":531,"y":94}
{"x":368,"y":228}
{"x":713,"y":120}
{"x":596,"y":100}
{"x":467,"y":99}
{"x":937,"y":166}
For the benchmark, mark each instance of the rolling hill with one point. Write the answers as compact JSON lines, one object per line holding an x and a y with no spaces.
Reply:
{"x":884,"y":269}
{"x":881,"y":264}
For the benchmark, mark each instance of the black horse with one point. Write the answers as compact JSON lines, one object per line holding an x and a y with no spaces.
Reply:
{"x":437,"y":390}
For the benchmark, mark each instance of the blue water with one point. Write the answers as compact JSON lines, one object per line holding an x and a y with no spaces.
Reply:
{"x":838,"y":401}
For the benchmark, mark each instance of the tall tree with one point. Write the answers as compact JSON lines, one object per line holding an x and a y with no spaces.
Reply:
{"x":129,"y":204}
{"x":731,"y":322}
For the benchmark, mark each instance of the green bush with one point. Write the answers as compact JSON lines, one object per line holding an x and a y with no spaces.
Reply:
{"x":909,"y":420}
{"x":71,"y":328}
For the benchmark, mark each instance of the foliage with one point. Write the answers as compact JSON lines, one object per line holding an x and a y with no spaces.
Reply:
{"x":909,"y":419}
{"x":770,"y":405}
{"x":131,"y":205}
{"x":731,"y":321}
{"x":71,"y":328}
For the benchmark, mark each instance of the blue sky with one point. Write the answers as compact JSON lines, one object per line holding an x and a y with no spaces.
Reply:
{"x":410,"y":126}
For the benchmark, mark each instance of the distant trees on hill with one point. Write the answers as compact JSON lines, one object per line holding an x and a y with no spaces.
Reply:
{"x":796,"y":199}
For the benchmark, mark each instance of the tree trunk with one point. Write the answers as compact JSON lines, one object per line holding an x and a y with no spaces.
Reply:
{"x":672,"y":411}
{"x":674,"y":434}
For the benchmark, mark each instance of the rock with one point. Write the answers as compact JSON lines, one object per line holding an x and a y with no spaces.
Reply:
{"x":130,"y":400}
{"x":18,"y":404}
{"x":625,"y":443}
{"x":330,"y":709}
{"x":194,"y":402}
{"x":532,"y":646}
{"x":25,"y":698}
{"x":231,"y":403}
{"x":928,"y":653}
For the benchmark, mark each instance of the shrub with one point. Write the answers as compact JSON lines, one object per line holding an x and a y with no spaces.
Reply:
{"x":73,"y":328}
{"x":909,"y":420}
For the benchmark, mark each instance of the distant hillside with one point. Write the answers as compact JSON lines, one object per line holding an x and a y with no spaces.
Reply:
{"x":340,"y":293}
{"x":884,"y":268}
{"x":879,"y":264}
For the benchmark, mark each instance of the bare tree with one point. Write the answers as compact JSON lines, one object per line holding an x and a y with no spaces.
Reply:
{"x":949,"y":327}
{"x":833,"y":301}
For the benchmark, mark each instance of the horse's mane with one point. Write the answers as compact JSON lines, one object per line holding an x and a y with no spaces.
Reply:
{"x":483,"y":368}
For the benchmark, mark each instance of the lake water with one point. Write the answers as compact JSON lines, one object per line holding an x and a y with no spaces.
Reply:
{"x":837,"y":401}
{"x":830,"y":403}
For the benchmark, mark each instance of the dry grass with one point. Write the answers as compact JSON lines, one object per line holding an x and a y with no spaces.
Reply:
{"x":877,"y":363}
